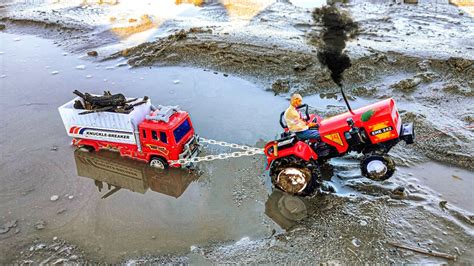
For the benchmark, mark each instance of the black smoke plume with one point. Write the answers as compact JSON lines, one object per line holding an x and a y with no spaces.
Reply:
{"x":338,"y":27}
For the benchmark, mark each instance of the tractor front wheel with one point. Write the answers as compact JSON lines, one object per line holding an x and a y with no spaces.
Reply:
{"x":377,"y":167}
{"x":294,"y":176}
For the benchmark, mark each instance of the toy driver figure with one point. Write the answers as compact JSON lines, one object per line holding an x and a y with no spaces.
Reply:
{"x":296,"y":123}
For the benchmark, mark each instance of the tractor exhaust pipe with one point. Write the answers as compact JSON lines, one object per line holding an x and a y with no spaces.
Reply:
{"x":345,"y":100}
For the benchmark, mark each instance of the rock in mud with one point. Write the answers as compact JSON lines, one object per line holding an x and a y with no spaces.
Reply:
{"x":92,"y":53}
{"x":459,"y":64}
{"x":40,"y":225}
{"x":356,"y":242}
{"x":200,"y":30}
{"x":281,"y":86}
{"x":457,"y":89}
{"x":468,"y":118}
{"x":54,"y":198}
{"x":443,"y":204}
{"x":178,"y":35}
{"x":363,"y":91}
{"x":125,"y":52}
{"x":300,"y":67}
{"x":399,"y":193}
{"x":407,"y":85}
{"x":427,"y":76}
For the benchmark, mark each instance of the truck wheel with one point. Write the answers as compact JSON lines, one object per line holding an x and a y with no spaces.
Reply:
{"x":87,"y":148}
{"x":294,"y":176}
{"x":158,"y":162}
{"x":377,"y":167}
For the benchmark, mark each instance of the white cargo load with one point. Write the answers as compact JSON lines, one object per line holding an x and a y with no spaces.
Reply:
{"x":103,"y":126}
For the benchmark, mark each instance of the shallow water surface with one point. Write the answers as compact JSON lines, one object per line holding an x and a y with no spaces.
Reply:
{"x":98,"y":211}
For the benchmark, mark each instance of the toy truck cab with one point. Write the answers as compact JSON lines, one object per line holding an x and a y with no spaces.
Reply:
{"x":167,"y":134}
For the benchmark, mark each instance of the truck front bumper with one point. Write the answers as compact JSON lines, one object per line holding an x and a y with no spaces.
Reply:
{"x":191,"y":149}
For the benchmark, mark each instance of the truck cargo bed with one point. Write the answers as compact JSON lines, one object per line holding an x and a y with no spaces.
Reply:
{"x":103,"y":126}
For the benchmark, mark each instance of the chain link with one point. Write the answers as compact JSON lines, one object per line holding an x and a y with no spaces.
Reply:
{"x":230,"y":145}
{"x":247,"y":151}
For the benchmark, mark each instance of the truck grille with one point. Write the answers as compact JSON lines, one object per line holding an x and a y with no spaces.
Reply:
{"x":190,"y":148}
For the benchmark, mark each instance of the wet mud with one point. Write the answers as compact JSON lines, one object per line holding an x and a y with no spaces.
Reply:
{"x":227,"y":212}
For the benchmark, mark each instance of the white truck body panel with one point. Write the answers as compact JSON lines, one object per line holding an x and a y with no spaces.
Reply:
{"x":103,"y":126}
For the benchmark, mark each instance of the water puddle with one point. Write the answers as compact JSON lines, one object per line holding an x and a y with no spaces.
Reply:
{"x":102,"y":198}
{"x":452,"y":184}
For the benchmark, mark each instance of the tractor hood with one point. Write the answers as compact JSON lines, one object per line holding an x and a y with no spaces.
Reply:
{"x":380,"y":121}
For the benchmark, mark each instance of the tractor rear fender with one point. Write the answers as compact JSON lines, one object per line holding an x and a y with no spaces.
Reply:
{"x":300,"y":149}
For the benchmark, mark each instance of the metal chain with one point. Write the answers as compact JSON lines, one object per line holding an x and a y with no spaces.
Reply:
{"x":230,"y":145}
{"x":247,"y":151}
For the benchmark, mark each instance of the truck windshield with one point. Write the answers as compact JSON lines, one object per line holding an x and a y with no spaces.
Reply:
{"x":181,"y":131}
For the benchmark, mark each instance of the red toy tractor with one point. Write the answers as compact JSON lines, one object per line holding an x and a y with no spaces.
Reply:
{"x":371,"y":130}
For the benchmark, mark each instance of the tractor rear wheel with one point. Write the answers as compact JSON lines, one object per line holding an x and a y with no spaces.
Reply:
{"x":377,"y":167}
{"x":294,"y":175}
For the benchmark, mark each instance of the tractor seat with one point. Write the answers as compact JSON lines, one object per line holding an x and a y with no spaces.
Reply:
{"x":287,"y":134}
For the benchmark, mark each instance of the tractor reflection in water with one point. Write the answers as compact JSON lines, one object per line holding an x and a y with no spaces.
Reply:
{"x":109,"y":169}
{"x":285,"y":209}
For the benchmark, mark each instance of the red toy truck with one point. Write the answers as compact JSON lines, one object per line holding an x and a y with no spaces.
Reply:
{"x":371,"y":130}
{"x":155,"y":135}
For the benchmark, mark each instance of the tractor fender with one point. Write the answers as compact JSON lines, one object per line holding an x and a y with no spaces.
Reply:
{"x":301,"y":150}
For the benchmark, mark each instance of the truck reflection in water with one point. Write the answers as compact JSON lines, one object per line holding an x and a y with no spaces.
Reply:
{"x":286,"y":210}
{"x":112,"y":173}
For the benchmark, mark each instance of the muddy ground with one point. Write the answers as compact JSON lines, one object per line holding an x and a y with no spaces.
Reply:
{"x":421,"y":55}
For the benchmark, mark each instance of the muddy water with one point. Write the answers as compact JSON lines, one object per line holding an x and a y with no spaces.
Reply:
{"x":37,"y":161}
{"x":452,"y":184}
